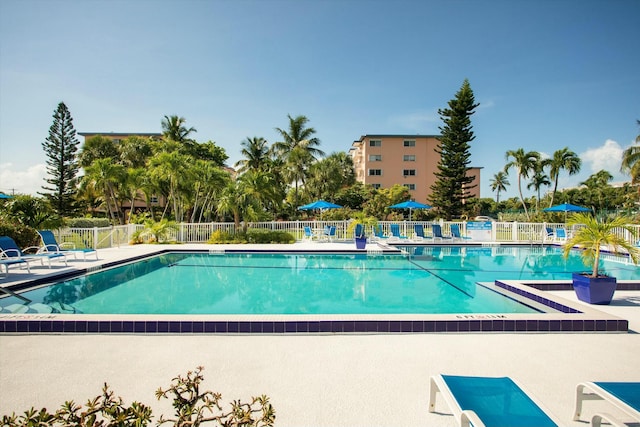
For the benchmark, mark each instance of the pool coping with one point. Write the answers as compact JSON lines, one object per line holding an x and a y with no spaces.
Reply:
{"x":571,"y":316}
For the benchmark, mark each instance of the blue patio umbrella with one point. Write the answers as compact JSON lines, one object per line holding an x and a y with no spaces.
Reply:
{"x":4,"y":196}
{"x":566,"y":207}
{"x":322,"y":205}
{"x":410,"y":204}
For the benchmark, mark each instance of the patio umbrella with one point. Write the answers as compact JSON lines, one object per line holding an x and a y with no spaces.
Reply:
{"x":322,"y":205}
{"x":566,"y":207}
{"x":4,"y":196}
{"x":410,"y":204}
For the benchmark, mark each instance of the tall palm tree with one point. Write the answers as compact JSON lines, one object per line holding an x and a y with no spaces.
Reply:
{"x":499,"y":183}
{"x":539,"y":179}
{"x":173,"y":128}
{"x":631,"y":161}
{"x":298,"y":149}
{"x":524,"y":163}
{"x":256,"y":154}
{"x":563,"y":159}
{"x":107,"y":177}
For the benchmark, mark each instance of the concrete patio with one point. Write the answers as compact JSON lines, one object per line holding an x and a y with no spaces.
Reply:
{"x":319,"y":380}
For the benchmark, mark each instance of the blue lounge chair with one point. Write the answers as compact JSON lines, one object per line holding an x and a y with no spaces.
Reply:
{"x":49,"y":244}
{"x":309,"y":234}
{"x":560,"y":235}
{"x":455,"y":233}
{"x":395,"y":231}
{"x":418,"y":230}
{"x":377,"y":233}
{"x":11,"y":250}
{"x":437,"y":232}
{"x":623,"y":395}
{"x":6,"y":262}
{"x":490,"y":402}
{"x":329,"y":232}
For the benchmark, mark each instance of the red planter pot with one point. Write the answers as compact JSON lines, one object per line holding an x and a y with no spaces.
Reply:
{"x":594,"y":290}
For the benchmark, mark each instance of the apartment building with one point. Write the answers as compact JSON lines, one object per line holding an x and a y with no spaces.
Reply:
{"x":410,"y":160}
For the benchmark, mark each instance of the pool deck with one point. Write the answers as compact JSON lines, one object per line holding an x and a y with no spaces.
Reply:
{"x":315,"y":379}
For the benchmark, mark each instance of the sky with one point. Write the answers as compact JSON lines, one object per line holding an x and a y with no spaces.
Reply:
{"x":547,"y":74}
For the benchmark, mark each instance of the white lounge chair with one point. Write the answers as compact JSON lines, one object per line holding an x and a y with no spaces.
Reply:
{"x":489,"y":402}
{"x":623,"y":395}
{"x":50,"y":245}
{"x":10,"y":250}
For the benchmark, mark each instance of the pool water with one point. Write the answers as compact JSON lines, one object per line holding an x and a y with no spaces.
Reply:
{"x":426,"y":280}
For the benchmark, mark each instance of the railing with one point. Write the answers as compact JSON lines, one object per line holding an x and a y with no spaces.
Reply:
{"x":501,"y":232}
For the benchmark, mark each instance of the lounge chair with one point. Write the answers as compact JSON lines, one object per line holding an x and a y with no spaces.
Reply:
{"x":11,"y":250}
{"x":437,"y":232}
{"x":329,"y":232}
{"x":49,"y":244}
{"x":6,"y":262}
{"x":378,"y":234}
{"x":548,"y":234}
{"x":623,"y":395}
{"x":560,"y":235}
{"x":419,"y":235}
{"x":309,"y":234}
{"x":395,"y":232}
{"x":455,"y":233}
{"x":486,"y":401}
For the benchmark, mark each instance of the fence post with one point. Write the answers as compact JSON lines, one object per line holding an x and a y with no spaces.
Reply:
{"x":95,"y":238}
{"x":514,"y":232}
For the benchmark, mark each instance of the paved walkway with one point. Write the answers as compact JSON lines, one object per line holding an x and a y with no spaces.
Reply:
{"x":318,"y":380}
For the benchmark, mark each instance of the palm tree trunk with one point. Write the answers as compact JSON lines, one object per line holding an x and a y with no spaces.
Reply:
{"x":524,"y":205}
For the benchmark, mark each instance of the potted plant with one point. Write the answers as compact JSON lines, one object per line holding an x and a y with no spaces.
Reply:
{"x":592,"y":236}
{"x":360,"y":218}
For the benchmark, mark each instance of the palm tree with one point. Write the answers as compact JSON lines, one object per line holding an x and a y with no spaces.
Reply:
{"x":563,"y":159}
{"x":107,"y":177}
{"x":172,"y":168}
{"x":499,"y":183}
{"x":256,"y":153}
{"x":173,"y":128}
{"x":298,"y":149}
{"x":539,"y":179}
{"x":593,"y":235}
{"x":524,"y":163}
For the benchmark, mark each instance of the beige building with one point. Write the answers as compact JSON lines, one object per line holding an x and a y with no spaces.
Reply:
{"x":410,"y":160}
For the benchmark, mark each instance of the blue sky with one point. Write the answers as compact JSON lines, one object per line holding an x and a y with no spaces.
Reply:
{"x":547,"y":74}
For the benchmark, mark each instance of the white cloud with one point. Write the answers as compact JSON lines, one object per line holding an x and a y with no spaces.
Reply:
{"x":607,"y":157}
{"x":28,"y":181}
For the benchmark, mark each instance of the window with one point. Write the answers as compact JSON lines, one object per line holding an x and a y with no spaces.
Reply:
{"x":376,"y":186}
{"x":153,"y":199}
{"x":375,"y":143}
{"x":375,"y":172}
{"x":410,"y":186}
{"x":409,"y":172}
{"x":409,"y":158}
{"x":409,"y":143}
{"x":375,"y":157}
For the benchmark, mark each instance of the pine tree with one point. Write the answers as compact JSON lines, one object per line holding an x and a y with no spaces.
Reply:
{"x":62,"y":164}
{"x":451,"y":189}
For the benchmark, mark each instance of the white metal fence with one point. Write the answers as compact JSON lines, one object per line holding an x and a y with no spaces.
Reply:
{"x":503,"y":232}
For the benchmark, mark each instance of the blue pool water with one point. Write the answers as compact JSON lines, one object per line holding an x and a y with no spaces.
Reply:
{"x":426,"y":280}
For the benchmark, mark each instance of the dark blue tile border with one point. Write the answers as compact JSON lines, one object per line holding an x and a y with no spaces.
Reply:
{"x":39,"y":326}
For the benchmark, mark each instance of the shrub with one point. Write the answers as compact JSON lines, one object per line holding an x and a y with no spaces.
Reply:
{"x":251,"y":236}
{"x":192,"y":408}
{"x":23,"y":235}
{"x":88,"y":222}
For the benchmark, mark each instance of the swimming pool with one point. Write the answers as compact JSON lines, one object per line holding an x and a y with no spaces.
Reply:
{"x":425,"y":289}
{"x":197,"y":283}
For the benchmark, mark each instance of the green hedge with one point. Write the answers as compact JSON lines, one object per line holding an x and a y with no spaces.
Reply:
{"x":87,"y":222}
{"x":24,"y":236}
{"x":251,"y":236}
